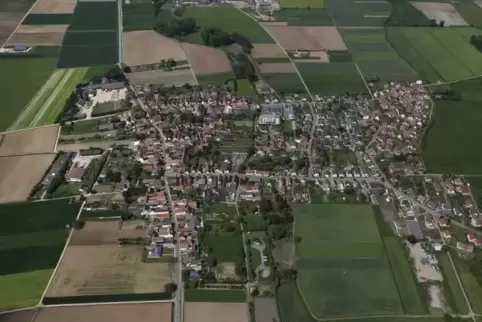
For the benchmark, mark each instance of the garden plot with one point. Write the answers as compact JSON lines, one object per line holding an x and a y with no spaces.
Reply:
{"x":274,"y":68}
{"x":206,"y":60}
{"x":215,"y":312}
{"x":441,"y":12}
{"x":307,"y":38}
{"x":53,"y":6}
{"x":38,"y":35}
{"x":148,"y":47}
{"x":267,"y":51}
{"x":176,"y":78}
{"x":33,"y":141}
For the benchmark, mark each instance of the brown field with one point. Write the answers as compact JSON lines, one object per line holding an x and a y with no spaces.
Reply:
{"x":441,"y":11}
{"x":8,"y":23}
{"x":18,"y":316}
{"x":38,"y":35}
{"x":274,"y":68}
{"x":282,"y":253}
{"x":215,"y":312}
{"x":158,"y":77}
{"x":103,"y":233}
{"x":206,"y":60}
{"x":148,"y":47}
{"x":145,"y":312}
{"x":110,"y":269}
{"x":308,"y":38}
{"x":267,"y":51}
{"x":54,"y":6}
{"x":265,"y":309}
{"x":35,"y":140}
{"x":19,"y":174}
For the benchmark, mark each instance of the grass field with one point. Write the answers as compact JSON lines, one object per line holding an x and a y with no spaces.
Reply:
{"x":427,"y":50}
{"x":375,"y":56}
{"x":448,"y":147}
{"x":351,"y":276}
{"x":332,"y":78}
{"x":94,"y":15}
{"x":137,"y":16}
{"x":217,"y":79}
{"x":200,"y":295}
{"x":48,"y":19}
{"x":20,"y":79}
{"x":301,"y":3}
{"x":49,"y":101}
{"x":471,"y":12}
{"x":452,"y":291}
{"x":245,"y":88}
{"x":305,"y":17}
{"x":225,"y":248}
{"x":469,"y":90}
{"x":359,"y":13}
{"x":470,"y":284}
{"x":226,"y":18}
{"x":285,"y":83}
{"x":291,"y":306}
{"x":32,"y":242}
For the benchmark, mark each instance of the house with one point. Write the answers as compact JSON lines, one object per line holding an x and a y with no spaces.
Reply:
{"x":76,"y":172}
{"x":429,"y":222}
{"x":465,"y":247}
{"x":268,"y":118}
{"x":446,"y":234}
{"x":474,"y":239}
{"x":476,"y":222}
{"x":443,"y":223}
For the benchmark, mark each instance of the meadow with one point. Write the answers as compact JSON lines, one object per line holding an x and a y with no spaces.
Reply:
{"x":228,"y":19}
{"x":427,"y":50}
{"x":344,"y":282}
{"x":32,"y":242}
{"x":448,"y":146}
{"x":285,"y":83}
{"x":20,"y":79}
{"x":332,"y":78}
{"x":375,"y":57}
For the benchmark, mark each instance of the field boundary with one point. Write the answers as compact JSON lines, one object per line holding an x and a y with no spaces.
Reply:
{"x":108,"y":303}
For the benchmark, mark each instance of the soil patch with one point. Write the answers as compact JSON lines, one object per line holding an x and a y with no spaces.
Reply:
{"x":441,"y":11}
{"x":31,"y":141}
{"x":148,"y":47}
{"x":267,"y":51}
{"x":308,"y":38}
{"x":54,"y":6}
{"x":215,"y":312}
{"x":149,"y":312}
{"x":274,"y":68}
{"x":206,"y":60}
{"x":38,"y":35}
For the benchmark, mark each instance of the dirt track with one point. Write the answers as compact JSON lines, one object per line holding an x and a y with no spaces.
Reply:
{"x":36,"y":140}
{"x":215,"y":312}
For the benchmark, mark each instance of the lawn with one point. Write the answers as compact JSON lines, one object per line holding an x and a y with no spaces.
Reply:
{"x":305,"y":17}
{"x":20,"y":79}
{"x":452,"y":292}
{"x":375,"y":57}
{"x":221,"y":295}
{"x":226,"y":18}
{"x":285,"y":83}
{"x":49,"y":101}
{"x":342,"y":266}
{"x":358,"y":13}
{"x":332,"y":78}
{"x":448,"y":147}
{"x":301,"y":3}
{"x":436,"y":46}
{"x":32,"y":242}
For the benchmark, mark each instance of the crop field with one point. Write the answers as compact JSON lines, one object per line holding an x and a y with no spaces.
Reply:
{"x":470,"y":12}
{"x":448,"y":145}
{"x":359,"y":13}
{"x":54,"y":7}
{"x":49,"y":101}
{"x":469,"y":90}
{"x":268,"y":51}
{"x":228,"y":19}
{"x":305,"y":17}
{"x":215,"y":312}
{"x":427,"y":50}
{"x":308,"y":38}
{"x":352,"y":276}
{"x":48,"y":19}
{"x":290,"y":303}
{"x":375,"y":57}
{"x":30,"y":245}
{"x":13,"y":77}
{"x":206,"y":60}
{"x":210,"y":295}
{"x":332,"y":78}
{"x":470,"y":284}
{"x":111,"y":269}
{"x":33,"y":141}
{"x":301,"y":3}
{"x":36,"y":35}
{"x":285,"y":83}
{"x":452,"y":291}
{"x":177,"y":77}
{"x":137,"y":16}
{"x":266,"y":309}
{"x":95,"y":16}
{"x":440,"y":12}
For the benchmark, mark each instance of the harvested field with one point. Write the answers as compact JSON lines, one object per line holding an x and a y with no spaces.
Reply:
{"x":8,"y":23}
{"x":441,"y":12}
{"x":159,"y":77}
{"x":206,"y":60}
{"x":110,"y":270}
{"x":54,"y":6}
{"x":38,"y":35}
{"x":36,"y":140}
{"x":308,"y":38}
{"x":19,"y":174}
{"x":267,"y":51}
{"x":215,"y":312}
{"x":19,"y":316}
{"x":103,"y":233}
{"x":146,"y":312}
{"x":274,"y":68}
{"x":148,"y":47}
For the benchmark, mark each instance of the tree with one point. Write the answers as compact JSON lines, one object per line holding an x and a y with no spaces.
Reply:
{"x":297,"y":239}
{"x":441,"y":23}
{"x":170,"y":287}
{"x":412,"y":239}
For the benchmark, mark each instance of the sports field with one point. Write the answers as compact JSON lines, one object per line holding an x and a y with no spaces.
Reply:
{"x":20,"y":79}
{"x":428,"y":50}
{"x":49,"y":101}
{"x":351,"y":276}
{"x":226,"y":18}
{"x":448,"y":146}
{"x":375,"y":57}
{"x":332,"y":78}
{"x":301,"y":3}
{"x":30,"y":246}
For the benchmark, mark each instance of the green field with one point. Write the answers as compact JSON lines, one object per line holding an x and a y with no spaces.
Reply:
{"x":448,"y":147}
{"x":285,"y":83}
{"x":301,"y":3}
{"x":137,"y":16}
{"x":342,"y":268}
{"x":95,"y":16}
{"x":31,"y":244}
{"x":225,"y":247}
{"x":453,"y":294}
{"x":471,"y":12}
{"x":470,"y":284}
{"x":358,"y":13}
{"x":339,"y":56}
{"x":217,"y":79}
{"x":305,"y":17}
{"x":374,"y":55}
{"x":332,"y":78}
{"x":48,"y":19}
{"x":47,"y":104}
{"x":20,"y":79}
{"x":427,"y":50}
{"x":245,"y":88}
{"x":226,"y":18}
{"x":201,"y":295}
{"x":469,"y":90}
{"x":291,"y":306}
